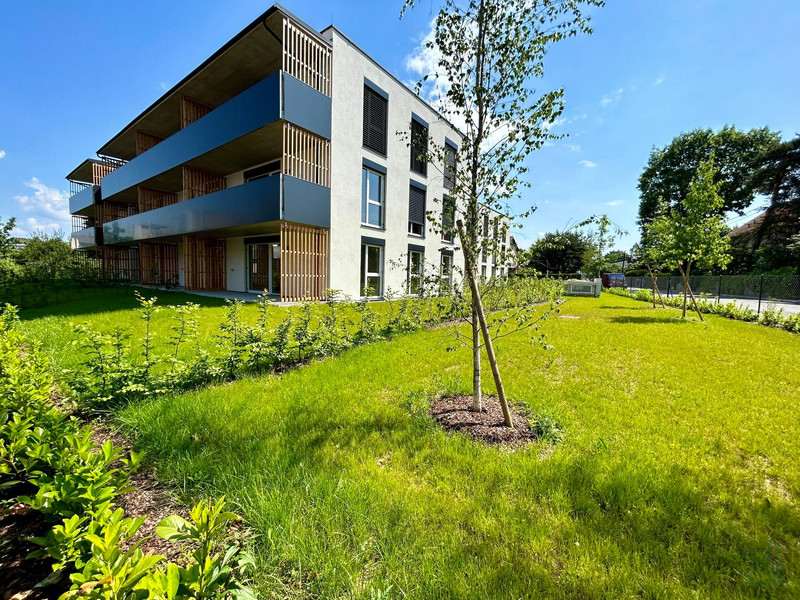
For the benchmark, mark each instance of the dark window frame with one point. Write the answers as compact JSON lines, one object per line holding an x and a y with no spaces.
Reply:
{"x":375,"y":124}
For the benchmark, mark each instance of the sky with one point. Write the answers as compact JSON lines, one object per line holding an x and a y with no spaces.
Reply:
{"x":72,"y":74}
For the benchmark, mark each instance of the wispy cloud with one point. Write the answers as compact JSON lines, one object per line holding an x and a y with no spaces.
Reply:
{"x":659,"y":80}
{"x":573,"y":147}
{"x":48,"y":209}
{"x":588,"y":164}
{"x":614,"y":203}
{"x":164,"y":86}
{"x":611,"y":98}
{"x":2,"y":153}
{"x":541,"y":234}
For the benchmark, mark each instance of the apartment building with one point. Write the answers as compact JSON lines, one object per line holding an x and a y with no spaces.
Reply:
{"x":276,"y":165}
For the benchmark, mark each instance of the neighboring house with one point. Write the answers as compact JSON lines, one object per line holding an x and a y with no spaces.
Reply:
{"x":274,"y":165}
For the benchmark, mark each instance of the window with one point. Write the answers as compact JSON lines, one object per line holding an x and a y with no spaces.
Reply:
{"x":419,"y":147}
{"x":263,"y":171}
{"x":449,"y":166}
{"x":446,"y":275}
{"x":483,"y":273}
{"x":371,"y":271}
{"x":416,"y":211}
{"x":448,"y":219}
{"x":486,"y":226}
{"x":416,"y":267}
{"x":373,"y":191}
{"x":376,"y":110}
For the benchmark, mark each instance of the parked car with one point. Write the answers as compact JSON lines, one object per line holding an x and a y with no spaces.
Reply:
{"x":614,"y":280}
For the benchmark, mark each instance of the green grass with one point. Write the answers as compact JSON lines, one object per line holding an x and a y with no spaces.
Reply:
{"x":680,"y":456}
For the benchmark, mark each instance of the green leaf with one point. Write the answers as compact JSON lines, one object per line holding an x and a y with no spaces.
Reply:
{"x":174,"y":528}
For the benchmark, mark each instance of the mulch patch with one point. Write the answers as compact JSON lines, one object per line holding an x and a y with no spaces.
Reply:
{"x":454,"y":413}
{"x":150,"y":498}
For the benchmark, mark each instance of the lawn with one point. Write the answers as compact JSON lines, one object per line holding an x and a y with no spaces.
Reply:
{"x":679,"y":463}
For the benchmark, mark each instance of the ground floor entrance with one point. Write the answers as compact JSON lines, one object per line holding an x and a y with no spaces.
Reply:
{"x":264,"y":268}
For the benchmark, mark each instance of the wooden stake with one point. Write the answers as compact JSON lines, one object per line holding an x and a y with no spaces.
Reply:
{"x":487,"y":339}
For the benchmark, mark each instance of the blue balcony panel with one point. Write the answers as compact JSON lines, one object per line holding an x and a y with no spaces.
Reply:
{"x":266,"y":102}
{"x":82,"y":202}
{"x":87,"y":238}
{"x":228,"y":212}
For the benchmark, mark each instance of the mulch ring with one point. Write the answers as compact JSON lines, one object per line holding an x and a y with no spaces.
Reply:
{"x":454,"y":413}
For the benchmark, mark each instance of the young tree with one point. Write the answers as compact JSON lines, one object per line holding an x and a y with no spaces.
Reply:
{"x":601,"y":234}
{"x":692,"y":232}
{"x":489,"y":52}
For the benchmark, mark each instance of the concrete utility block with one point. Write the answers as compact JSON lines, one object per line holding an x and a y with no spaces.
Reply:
{"x":583,"y":287}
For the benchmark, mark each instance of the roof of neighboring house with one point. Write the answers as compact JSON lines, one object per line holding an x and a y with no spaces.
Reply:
{"x":747,"y":228}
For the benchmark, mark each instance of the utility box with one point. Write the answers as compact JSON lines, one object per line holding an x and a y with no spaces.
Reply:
{"x":583,"y":287}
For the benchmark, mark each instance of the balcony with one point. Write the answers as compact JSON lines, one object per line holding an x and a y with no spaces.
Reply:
{"x":240,"y":210}
{"x":83,"y":202}
{"x":224,"y":138}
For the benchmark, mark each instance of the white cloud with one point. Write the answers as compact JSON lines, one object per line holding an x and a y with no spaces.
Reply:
{"x":610,"y":98}
{"x":2,"y":153}
{"x":48,"y":208}
{"x":659,"y":80}
{"x":573,"y":147}
{"x":614,"y":203}
{"x":588,"y":164}
{"x":164,"y":86}
{"x":541,"y":234}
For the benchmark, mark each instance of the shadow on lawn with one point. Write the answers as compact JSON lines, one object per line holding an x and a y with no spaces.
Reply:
{"x":670,"y":319}
{"x":103,"y":299}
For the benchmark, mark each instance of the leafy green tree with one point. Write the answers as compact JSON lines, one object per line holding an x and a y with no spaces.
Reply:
{"x":556,"y":252}
{"x":601,"y":234}
{"x":6,"y":240}
{"x":46,"y":256}
{"x":489,"y":53}
{"x":692,"y":232}
{"x":670,"y":170}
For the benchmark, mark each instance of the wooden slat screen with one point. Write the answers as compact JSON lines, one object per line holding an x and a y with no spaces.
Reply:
{"x":145,"y":141}
{"x":304,"y":262}
{"x":105,"y":212}
{"x":191,"y":111}
{"x":150,"y":199}
{"x":197,"y":182}
{"x":306,"y":156}
{"x":119,"y":263}
{"x":100,"y":170}
{"x":306,"y":58}
{"x":158,"y":264}
{"x":204,"y":263}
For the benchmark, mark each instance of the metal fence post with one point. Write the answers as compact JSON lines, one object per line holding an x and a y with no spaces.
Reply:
{"x":760,"y":293}
{"x":719,"y":288}
{"x":668,"y":284}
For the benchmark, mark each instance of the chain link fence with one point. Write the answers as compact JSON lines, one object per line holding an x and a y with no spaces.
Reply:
{"x":761,"y":289}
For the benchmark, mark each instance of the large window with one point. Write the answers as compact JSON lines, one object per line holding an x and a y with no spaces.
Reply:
{"x":449,"y":166}
{"x":419,"y":147}
{"x":446,"y":274}
{"x":416,"y":211}
{"x":416,"y":268}
{"x":448,"y":219}
{"x":373,"y":193}
{"x":371,"y":270}
{"x":376,"y":111}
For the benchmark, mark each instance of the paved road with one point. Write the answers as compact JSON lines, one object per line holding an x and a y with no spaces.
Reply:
{"x":789,"y":308}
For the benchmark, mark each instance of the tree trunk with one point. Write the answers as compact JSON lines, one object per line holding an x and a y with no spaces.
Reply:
{"x":487,"y":338}
{"x":477,"y":399}
{"x":689,"y":289}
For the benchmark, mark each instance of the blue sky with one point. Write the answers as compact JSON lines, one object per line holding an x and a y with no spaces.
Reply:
{"x":73,"y":73}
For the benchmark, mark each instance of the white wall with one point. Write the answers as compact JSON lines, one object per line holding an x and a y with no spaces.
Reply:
{"x":350,"y":67}
{"x":236,"y":264}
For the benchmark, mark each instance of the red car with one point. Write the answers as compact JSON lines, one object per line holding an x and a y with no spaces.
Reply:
{"x":614,"y":280}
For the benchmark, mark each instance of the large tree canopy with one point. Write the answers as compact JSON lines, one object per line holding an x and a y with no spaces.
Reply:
{"x":670,"y":170}
{"x":556,"y":252}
